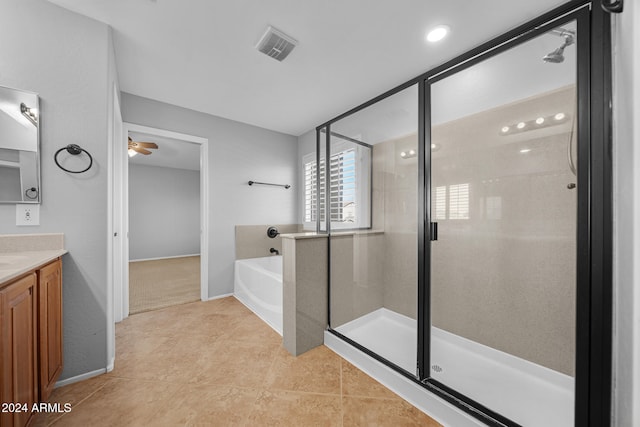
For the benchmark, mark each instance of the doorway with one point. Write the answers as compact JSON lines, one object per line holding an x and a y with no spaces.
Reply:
{"x":161,"y":234}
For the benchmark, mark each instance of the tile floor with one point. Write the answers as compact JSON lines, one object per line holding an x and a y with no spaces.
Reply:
{"x":216,"y":363}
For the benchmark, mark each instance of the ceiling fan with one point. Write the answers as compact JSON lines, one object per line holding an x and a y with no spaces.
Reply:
{"x":140,"y":147}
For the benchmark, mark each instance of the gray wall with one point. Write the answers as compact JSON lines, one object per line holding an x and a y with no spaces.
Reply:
{"x":66,"y":59}
{"x":237,"y":153}
{"x":626,"y":340}
{"x":164,"y":212}
{"x":10,"y":179}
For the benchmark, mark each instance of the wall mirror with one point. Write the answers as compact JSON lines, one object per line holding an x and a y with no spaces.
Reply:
{"x":19,"y":146}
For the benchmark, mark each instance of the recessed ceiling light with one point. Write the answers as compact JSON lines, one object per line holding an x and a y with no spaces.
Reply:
{"x":403,"y":154}
{"x":505,"y":129}
{"x":437,"y":33}
{"x":559,"y":116}
{"x":525,"y":150}
{"x":412,"y":152}
{"x":540,"y":120}
{"x":521,"y":125}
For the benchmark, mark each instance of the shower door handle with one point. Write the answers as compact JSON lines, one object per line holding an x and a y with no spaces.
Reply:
{"x":433,"y":231}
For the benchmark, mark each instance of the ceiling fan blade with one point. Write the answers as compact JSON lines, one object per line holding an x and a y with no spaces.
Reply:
{"x":141,"y":150}
{"x":146,"y":144}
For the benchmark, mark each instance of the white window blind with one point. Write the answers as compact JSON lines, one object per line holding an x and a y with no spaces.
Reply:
{"x":343,"y":188}
{"x":459,"y":201}
{"x":440,"y":202}
{"x":310,"y":191}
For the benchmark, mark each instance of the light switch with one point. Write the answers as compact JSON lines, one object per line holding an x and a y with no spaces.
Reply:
{"x":28,"y":214}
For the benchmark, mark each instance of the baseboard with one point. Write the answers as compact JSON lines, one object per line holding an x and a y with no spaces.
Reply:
{"x":163,"y":257}
{"x":220,"y":296}
{"x":81,"y":377}
{"x":111,"y":364}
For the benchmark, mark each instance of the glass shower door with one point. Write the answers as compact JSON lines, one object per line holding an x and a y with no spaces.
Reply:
{"x":503,"y":195}
{"x":373,"y":210}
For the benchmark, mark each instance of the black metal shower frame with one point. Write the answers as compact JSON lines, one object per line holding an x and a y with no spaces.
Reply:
{"x":594,"y":211}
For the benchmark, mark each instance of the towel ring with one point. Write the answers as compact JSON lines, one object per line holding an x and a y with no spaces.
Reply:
{"x":74,"y":150}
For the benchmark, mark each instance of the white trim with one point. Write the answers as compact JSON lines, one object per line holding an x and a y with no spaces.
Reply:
{"x":9,"y":164}
{"x":438,"y":409}
{"x":132,"y":127}
{"x":220,"y":296}
{"x":162,"y":257}
{"x":204,"y":201}
{"x":112,"y":363}
{"x":81,"y":377}
{"x":113,"y":248}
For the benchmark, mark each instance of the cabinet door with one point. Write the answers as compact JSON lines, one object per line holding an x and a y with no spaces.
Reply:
{"x":50,"y":323}
{"x":18,"y":341}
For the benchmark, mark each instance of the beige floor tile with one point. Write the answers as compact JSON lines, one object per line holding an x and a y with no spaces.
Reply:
{"x":72,"y":394}
{"x":160,"y":358}
{"x":123,"y":402}
{"x":216,"y":363}
{"x":253,"y":329}
{"x":283,"y":408}
{"x":316,"y":371}
{"x":357,"y":383}
{"x":371,"y":412}
{"x":199,"y":405}
{"x":234,"y":363}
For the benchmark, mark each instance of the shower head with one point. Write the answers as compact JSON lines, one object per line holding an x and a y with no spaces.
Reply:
{"x":557,"y":56}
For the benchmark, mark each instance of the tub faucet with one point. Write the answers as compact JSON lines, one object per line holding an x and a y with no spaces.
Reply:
{"x":274,"y":251}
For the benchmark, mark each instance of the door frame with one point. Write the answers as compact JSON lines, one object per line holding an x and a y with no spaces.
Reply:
{"x":121,"y":193}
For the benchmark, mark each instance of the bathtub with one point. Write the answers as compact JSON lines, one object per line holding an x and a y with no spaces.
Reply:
{"x":258,"y":285}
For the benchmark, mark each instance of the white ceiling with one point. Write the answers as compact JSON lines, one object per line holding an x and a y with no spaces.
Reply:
{"x":200,"y":54}
{"x":171,"y":153}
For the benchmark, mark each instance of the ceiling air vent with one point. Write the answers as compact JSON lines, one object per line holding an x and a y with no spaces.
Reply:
{"x":276,"y":44}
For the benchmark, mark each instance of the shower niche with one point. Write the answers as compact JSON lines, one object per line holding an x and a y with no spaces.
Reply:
{"x":458,"y":246}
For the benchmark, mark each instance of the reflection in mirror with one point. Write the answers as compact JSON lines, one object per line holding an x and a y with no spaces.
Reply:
{"x":19,"y":146}
{"x":503,"y":270}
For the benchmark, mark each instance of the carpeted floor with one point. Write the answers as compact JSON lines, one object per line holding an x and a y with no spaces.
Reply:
{"x":163,"y":283}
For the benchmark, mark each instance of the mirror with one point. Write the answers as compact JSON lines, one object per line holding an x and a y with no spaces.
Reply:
{"x":19,"y":146}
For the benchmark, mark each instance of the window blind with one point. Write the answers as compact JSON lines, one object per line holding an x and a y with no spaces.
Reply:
{"x":459,"y":201}
{"x":343,"y":188}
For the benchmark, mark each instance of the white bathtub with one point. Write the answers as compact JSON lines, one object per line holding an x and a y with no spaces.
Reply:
{"x":258,"y":285}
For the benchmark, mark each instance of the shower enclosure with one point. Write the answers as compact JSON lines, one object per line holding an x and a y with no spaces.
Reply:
{"x":460,"y":208}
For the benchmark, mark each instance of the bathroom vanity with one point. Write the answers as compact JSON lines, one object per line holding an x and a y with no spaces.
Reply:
{"x":30,"y":324}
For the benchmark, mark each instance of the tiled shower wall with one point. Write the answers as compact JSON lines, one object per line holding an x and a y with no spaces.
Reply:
{"x":507,"y":281}
{"x":505,"y":276}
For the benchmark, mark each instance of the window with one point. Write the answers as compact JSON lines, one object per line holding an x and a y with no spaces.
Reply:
{"x":349,"y":189}
{"x":310,"y":193}
{"x":458,"y":202}
{"x":441,"y":202}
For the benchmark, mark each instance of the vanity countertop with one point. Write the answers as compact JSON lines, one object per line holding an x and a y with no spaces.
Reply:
{"x":15,"y":264}
{"x":22,"y":253}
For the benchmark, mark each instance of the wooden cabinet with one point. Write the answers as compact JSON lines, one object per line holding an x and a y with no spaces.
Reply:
{"x":18,"y":318}
{"x":50,"y":326}
{"x":30,"y":341}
